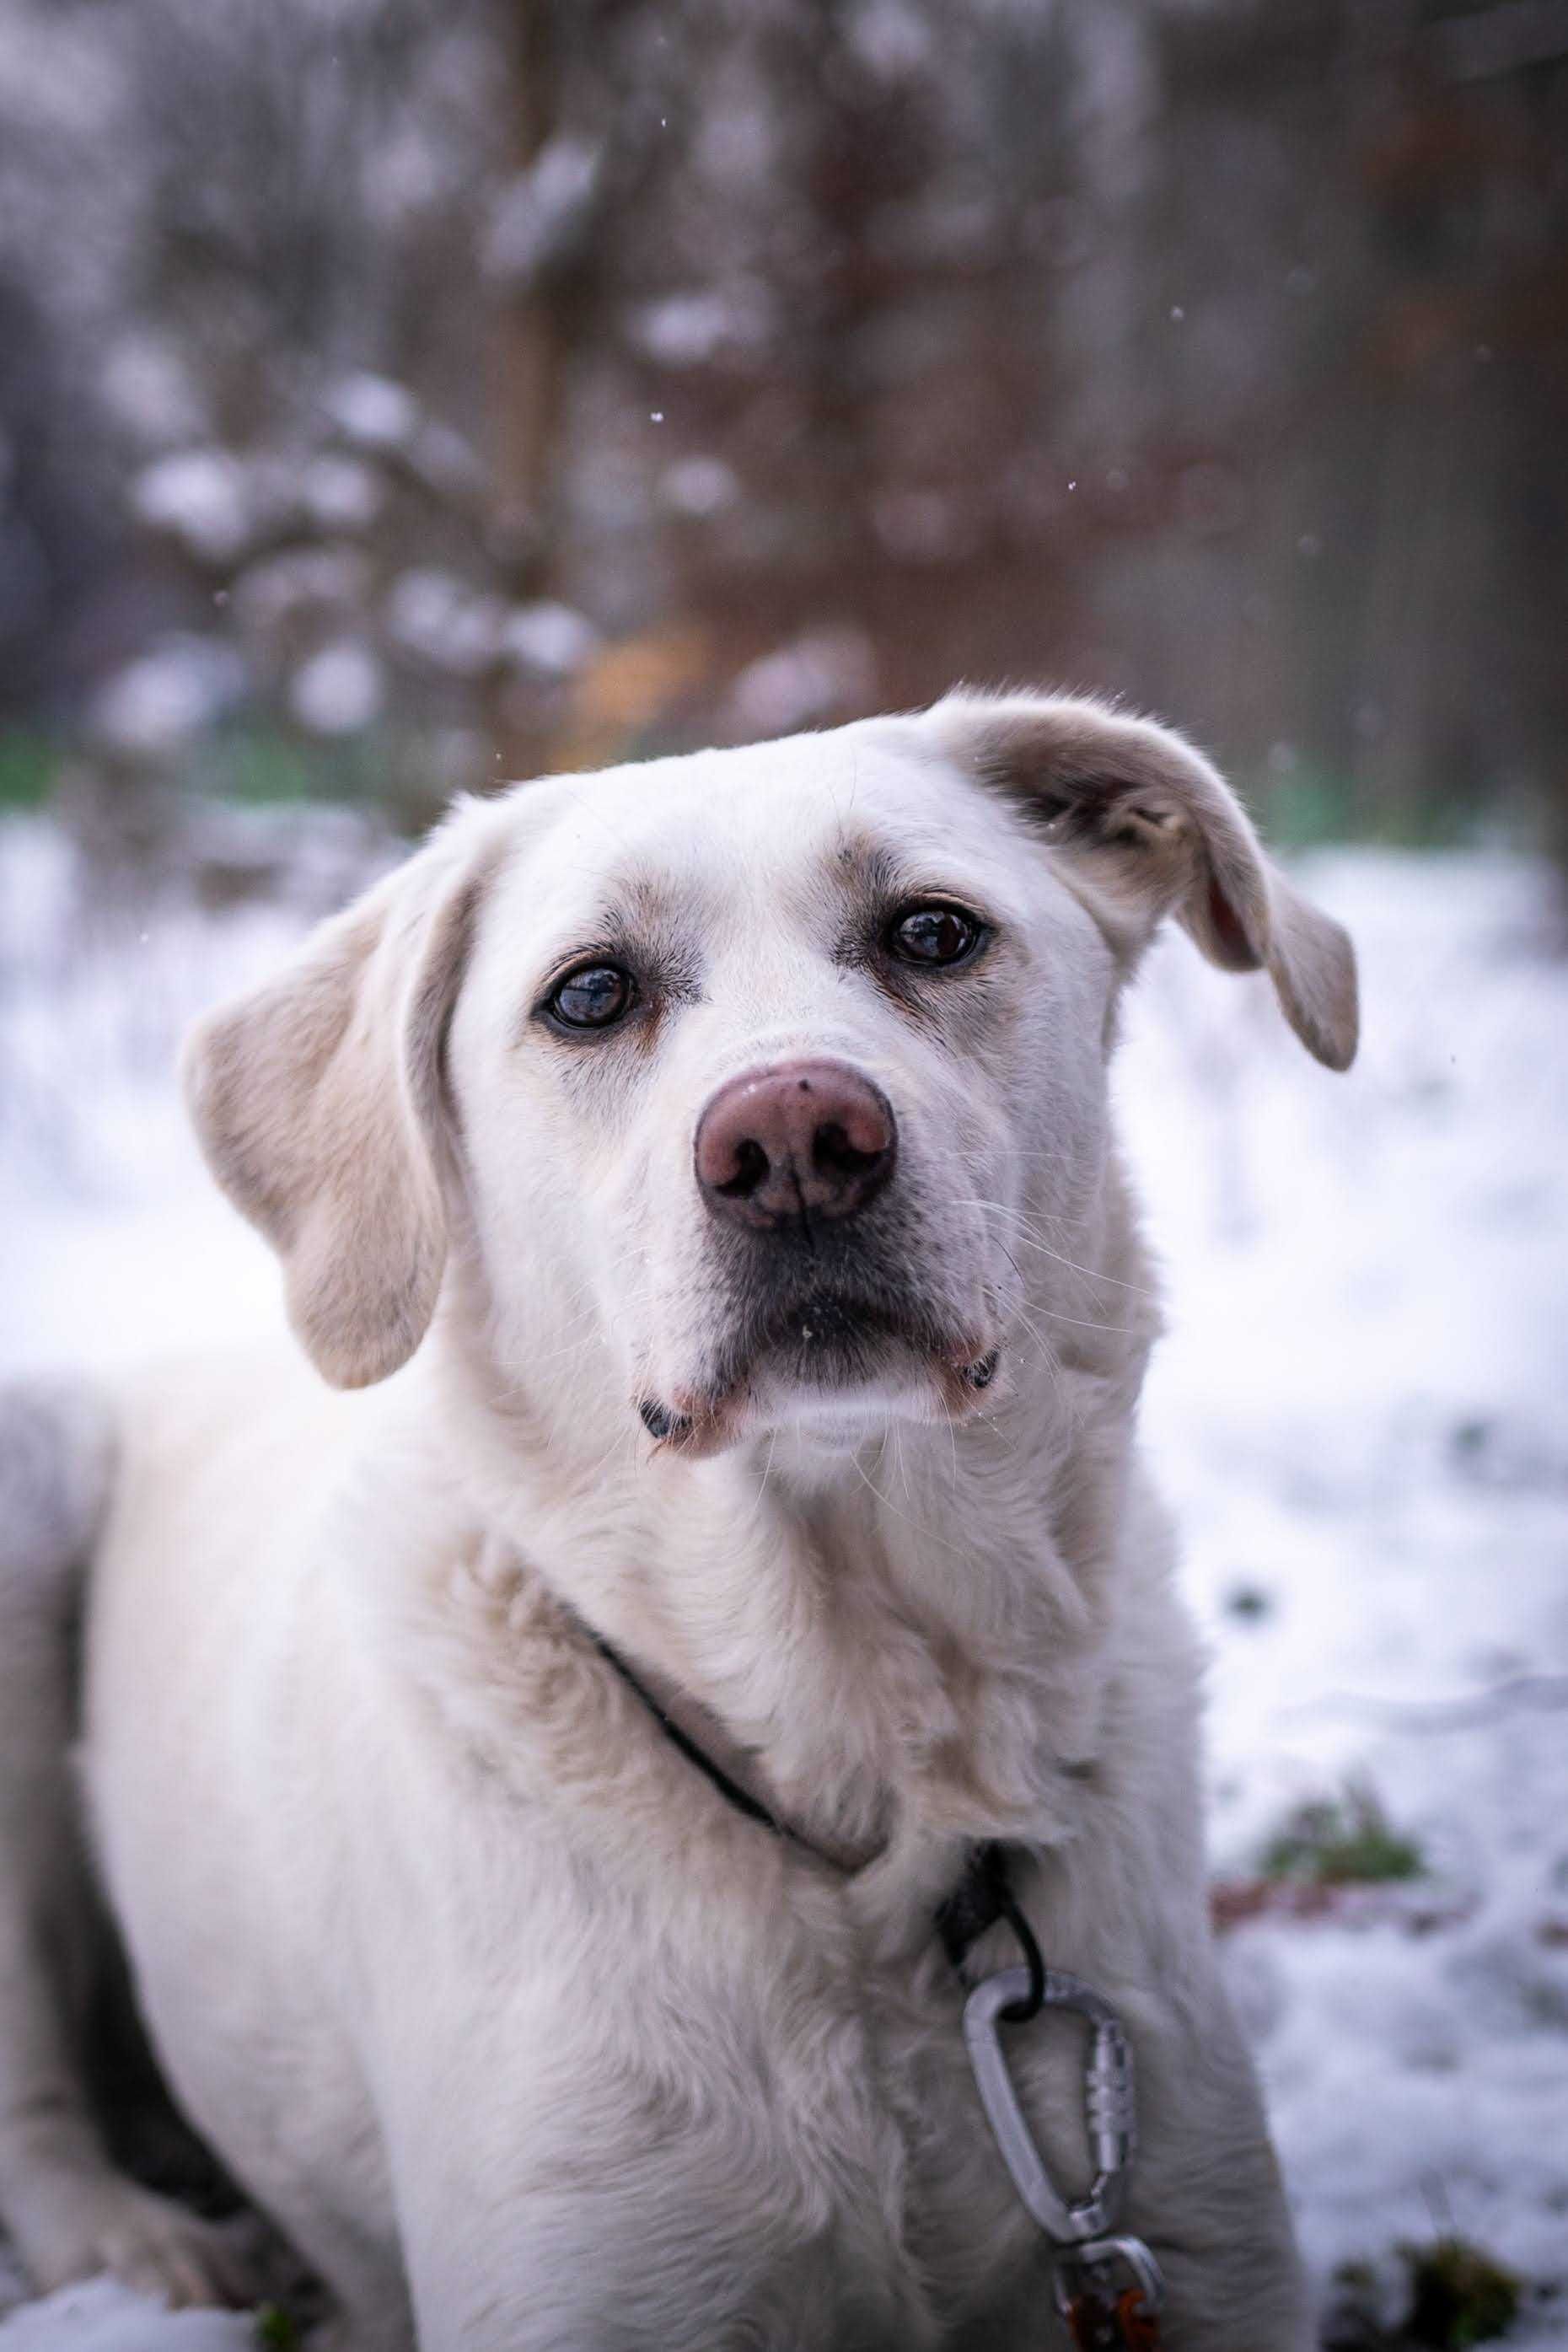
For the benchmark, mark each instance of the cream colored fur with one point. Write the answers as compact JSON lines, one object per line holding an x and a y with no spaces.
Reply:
{"x":526,"y":2036}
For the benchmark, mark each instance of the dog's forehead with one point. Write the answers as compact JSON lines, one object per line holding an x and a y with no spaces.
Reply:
{"x":774,"y":824}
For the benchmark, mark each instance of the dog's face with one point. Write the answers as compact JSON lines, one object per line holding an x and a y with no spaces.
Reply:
{"x":755,"y":1072}
{"x":761,"y":1046}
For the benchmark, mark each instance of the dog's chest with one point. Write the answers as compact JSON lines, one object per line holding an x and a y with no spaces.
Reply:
{"x":806,"y":2123}
{"x":769,"y":2067}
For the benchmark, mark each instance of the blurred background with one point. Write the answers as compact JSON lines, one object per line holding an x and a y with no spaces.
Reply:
{"x":401,"y":396}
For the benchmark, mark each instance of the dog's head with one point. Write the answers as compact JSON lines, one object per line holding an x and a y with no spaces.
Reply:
{"x":753,"y":1075}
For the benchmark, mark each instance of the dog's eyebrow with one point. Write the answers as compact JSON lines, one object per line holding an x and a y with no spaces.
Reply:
{"x":623,"y":909}
{"x":642,"y":918}
{"x":867,"y":868}
{"x":637,"y":905}
{"x":646,"y":902}
{"x":875,"y":876}
{"x":863,"y":879}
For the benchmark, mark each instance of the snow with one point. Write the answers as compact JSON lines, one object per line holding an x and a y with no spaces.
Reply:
{"x":102,"y":2317}
{"x":893,"y":41}
{"x":446,"y":462}
{"x":340,"y":493}
{"x":444,"y":620}
{"x":548,"y":636}
{"x":542,"y":216}
{"x":159,"y":702}
{"x":150,"y":389}
{"x":332,"y":578}
{"x":687,"y":329}
{"x":1358,"y":1414}
{"x":698,"y":487}
{"x":821,"y":672}
{"x":372,"y":411}
{"x":200,"y":497}
{"x":339,"y":690}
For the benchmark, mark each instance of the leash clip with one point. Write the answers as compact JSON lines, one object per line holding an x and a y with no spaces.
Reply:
{"x":1101,"y":2315}
{"x":1108,"y":2100}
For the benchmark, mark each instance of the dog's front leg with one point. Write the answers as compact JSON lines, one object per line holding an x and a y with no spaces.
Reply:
{"x":1205,"y":2191}
{"x":67,"y":2208}
{"x":601,"y":2216}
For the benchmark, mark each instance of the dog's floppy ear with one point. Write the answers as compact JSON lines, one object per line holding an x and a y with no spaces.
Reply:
{"x":318,"y":1101}
{"x":1150,"y":829}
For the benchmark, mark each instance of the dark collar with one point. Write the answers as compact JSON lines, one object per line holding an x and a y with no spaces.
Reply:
{"x":730,"y":1790}
{"x":983,"y":1895}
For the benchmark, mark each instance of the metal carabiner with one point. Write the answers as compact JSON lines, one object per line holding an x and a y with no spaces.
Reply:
{"x":1107,"y":2102}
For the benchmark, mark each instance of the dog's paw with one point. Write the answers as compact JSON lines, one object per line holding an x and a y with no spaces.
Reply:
{"x":111,"y":2226}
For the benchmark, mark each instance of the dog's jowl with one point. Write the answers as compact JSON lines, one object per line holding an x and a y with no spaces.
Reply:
{"x":534,"y":1720}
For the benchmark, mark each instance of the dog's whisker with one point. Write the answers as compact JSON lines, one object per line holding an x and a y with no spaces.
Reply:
{"x":768,"y":1465}
{"x":927,"y":1535}
{"x":903,"y":1467}
{"x":1139,"y":1289}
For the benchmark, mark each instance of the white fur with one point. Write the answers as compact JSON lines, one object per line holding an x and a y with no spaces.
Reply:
{"x":525,"y":2035}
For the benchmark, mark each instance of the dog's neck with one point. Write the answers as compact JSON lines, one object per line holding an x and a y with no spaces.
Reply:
{"x":896,"y":1645}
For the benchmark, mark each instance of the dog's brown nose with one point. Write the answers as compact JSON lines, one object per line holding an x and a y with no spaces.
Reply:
{"x":801,"y":1140}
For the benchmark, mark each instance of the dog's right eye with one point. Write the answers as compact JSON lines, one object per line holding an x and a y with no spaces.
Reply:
{"x":595,"y":998}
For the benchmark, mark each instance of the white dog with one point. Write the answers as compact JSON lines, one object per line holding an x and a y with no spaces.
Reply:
{"x":705,"y":1167}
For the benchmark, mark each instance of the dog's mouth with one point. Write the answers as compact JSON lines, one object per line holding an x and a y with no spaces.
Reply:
{"x":829,"y":1350}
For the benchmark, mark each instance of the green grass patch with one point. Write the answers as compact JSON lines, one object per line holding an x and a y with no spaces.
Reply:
{"x":394,"y":770}
{"x":29,"y":762}
{"x":260,"y":765}
{"x":1312,"y":804}
{"x":1305,"y":807}
{"x":1445,"y":2295}
{"x":1344,"y":1841}
{"x":1459,"y":2295}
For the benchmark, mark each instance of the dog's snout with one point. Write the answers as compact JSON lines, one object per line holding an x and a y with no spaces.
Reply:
{"x":803,"y":1139}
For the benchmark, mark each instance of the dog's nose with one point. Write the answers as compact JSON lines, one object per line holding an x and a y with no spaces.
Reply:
{"x":801,"y":1140}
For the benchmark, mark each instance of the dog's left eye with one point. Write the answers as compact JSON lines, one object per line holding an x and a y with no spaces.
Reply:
{"x":593,"y":998}
{"x":934,"y":934}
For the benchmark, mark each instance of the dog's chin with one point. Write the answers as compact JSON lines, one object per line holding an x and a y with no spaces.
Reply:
{"x":834,"y":1371}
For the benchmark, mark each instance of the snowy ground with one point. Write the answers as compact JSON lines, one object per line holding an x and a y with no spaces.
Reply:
{"x":1361,"y":1413}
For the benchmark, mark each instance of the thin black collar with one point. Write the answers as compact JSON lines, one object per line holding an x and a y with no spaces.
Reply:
{"x":730,"y":1790}
{"x":983,"y":1895}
